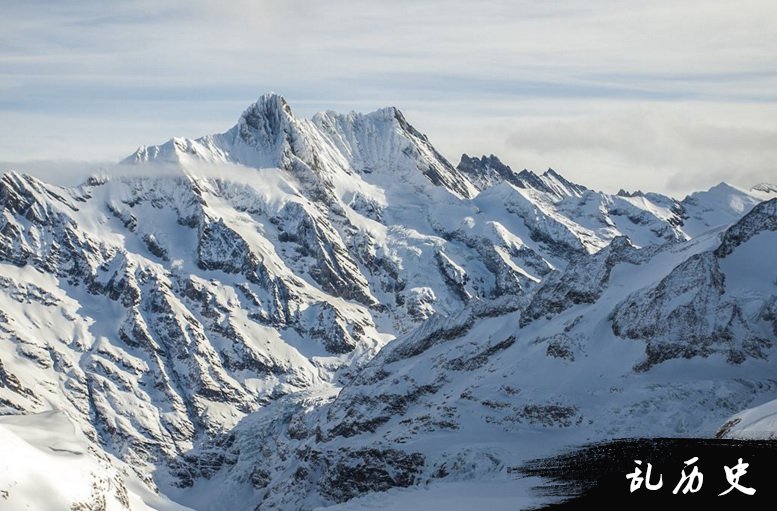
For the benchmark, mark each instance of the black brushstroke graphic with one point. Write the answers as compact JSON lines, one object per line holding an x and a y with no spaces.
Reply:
{"x":595,"y":475}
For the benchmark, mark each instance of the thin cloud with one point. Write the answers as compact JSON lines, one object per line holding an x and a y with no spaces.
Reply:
{"x":89,"y":79}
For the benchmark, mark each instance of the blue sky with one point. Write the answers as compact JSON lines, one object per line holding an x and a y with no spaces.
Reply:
{"x":661,"y":95}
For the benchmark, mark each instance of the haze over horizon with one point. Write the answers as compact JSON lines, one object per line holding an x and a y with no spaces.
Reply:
{"x":662,"y":97}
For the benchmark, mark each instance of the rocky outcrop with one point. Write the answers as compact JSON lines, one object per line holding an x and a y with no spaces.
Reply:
{"x":582,"y":282}
{"x":762,"y":217}
{"x":694,"y":312}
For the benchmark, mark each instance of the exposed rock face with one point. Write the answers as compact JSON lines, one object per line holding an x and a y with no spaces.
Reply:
{"x":367,"y":470}
{"x":177,"y":341}
{"x":694,"y":312}
{"x":582,"y":282}
{"x":487,"y":171}
{"x":763,"y":217}
{"x":335,"y":270}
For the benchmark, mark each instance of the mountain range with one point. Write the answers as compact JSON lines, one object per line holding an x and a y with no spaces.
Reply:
{"x":327,"y":313}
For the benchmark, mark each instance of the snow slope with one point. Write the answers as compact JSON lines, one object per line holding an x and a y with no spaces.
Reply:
{"x":48,"y":463}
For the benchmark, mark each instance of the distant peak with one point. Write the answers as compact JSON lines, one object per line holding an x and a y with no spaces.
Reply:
{"x":490,"y":161}
{"x":274,"y":101}
{"x":487,"y":171}
{"x":406,"y":126}
{"x":765,"y":187}
{"x":725,"y":188}
{"x":558,"y":177}
{"x":529,"y":179}
{"x":391,"y":112}
{"x":389,"y":115}
{"x":624,"y":193}
{"x":567,"y":186}
{"x":265,"y":122}
{"x":269,"y":106}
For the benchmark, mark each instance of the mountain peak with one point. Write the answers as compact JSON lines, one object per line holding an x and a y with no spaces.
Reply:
{"x":406,"y":126}
{"x":389,"y":112}
{"x":765,"y":188}
{"x":490,"y":160}
{"x":562,"y":185}
{"x":269,"y":111}
{"x":489,"y":170}
{"x":724,"y":187}
{"x":721,"y":189}
{"x":271,"y":101}
{"x":485,"y":171}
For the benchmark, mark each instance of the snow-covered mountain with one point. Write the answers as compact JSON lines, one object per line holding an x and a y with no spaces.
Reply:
{"x":661,"y":341}
{"x":303,"y":312}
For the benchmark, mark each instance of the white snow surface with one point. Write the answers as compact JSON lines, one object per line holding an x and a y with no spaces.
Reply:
{"x":49,"y":464}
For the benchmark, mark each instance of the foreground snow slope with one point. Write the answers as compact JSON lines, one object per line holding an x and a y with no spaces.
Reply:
{"x":213,"y":314}
{"x":48,"y":463}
